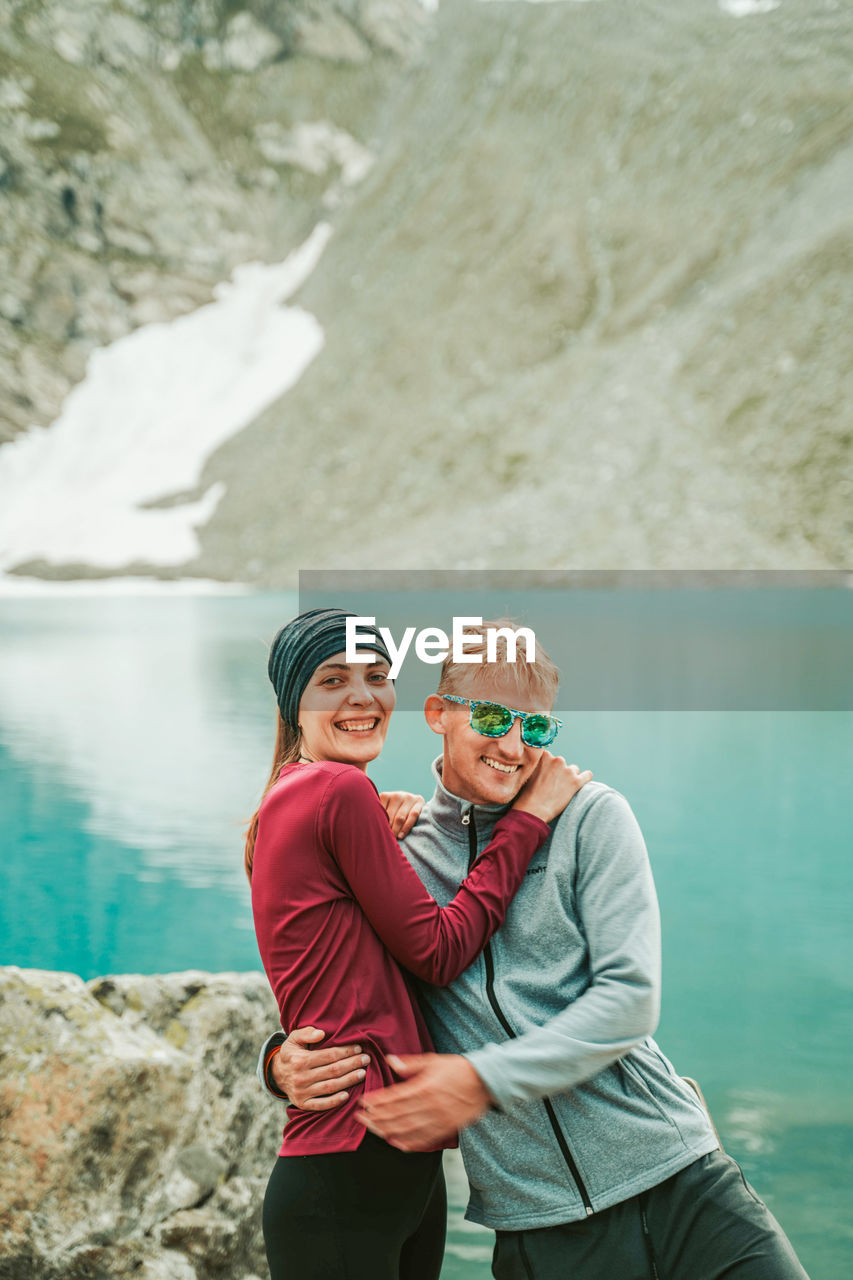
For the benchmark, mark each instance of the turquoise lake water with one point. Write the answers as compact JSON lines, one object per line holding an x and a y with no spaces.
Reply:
{"x":136,"y":735}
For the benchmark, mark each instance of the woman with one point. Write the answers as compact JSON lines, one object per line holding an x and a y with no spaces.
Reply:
{"x":337,"y":911}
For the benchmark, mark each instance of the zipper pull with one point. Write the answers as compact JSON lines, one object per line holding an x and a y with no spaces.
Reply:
{"x":466,"y":818}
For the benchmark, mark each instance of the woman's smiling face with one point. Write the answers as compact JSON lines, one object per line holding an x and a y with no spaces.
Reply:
{"x":345,"y":709}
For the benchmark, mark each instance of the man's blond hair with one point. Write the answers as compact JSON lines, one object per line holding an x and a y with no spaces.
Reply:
{"x":539,"y":678}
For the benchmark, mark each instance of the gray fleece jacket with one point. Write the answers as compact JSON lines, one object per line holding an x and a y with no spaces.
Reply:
{"x":556,"y":1016}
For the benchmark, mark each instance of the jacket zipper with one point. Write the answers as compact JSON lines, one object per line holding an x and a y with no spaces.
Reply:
{"x":468,"y":821}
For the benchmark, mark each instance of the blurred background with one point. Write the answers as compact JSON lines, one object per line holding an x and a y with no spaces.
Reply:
{"x":571,"y":285}
{"x":381,"y":284}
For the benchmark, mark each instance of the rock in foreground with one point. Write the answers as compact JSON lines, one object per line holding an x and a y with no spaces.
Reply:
{"x":135,"y":1138}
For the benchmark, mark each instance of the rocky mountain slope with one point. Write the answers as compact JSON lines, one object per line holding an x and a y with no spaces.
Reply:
{"x":149,"y":146}
{"x":588,"y":308}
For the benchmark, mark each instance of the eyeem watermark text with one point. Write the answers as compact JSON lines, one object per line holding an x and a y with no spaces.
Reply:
{"x":432,"y":644}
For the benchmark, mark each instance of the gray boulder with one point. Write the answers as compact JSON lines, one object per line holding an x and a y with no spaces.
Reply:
{"x":135,"y":1137}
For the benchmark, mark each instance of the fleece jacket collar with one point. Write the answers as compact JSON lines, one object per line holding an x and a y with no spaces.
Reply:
{"x":450,"y":812}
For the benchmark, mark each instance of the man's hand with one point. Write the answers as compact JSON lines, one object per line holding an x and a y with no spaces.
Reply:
{"x":316,"y":1079}
{"x":403,"y":809}
{"x":442,"y":1094}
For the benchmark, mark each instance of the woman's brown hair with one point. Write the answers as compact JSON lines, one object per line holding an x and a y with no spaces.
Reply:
{"x":288,"y":745}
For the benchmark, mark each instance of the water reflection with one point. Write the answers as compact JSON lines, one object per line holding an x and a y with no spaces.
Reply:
{"x":154,"y":713}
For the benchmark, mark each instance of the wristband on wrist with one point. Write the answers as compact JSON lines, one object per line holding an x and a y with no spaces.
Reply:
{"x":271,"y":1084}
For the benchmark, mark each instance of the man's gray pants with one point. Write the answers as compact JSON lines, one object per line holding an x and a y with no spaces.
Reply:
{"x":704,"y":1223}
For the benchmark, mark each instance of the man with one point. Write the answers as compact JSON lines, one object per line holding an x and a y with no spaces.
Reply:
{"x":584,"y":1150}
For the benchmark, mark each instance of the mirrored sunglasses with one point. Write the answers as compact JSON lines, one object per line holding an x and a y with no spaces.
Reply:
{"x":494,"y":720}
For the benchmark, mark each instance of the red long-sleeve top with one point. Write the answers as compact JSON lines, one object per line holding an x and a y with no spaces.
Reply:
{"x":338,"y":909}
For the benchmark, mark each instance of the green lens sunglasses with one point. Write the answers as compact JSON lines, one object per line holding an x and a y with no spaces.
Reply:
{"x":493,"y":720}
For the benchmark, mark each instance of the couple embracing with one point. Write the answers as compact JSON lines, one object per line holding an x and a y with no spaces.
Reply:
{"x":515,"y":930}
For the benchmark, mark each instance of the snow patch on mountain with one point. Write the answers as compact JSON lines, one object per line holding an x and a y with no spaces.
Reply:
{"x":114,"y":481}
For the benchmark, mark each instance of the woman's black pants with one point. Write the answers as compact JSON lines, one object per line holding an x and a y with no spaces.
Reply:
{"x":371,"y":1214}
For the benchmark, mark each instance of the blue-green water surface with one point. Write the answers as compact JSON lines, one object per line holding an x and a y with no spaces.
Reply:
{"x":136,"y":736}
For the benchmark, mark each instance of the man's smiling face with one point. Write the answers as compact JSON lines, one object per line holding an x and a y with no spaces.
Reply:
{"x":475,"y":767}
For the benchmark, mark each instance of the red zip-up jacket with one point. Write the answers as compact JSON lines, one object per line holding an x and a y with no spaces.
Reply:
{"x":338,"y":910}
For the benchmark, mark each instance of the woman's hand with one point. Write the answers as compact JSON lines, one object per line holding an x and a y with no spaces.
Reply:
{"x":403,"y":809}
{"x":550,"y":787}
{"x":316,"y":1079}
